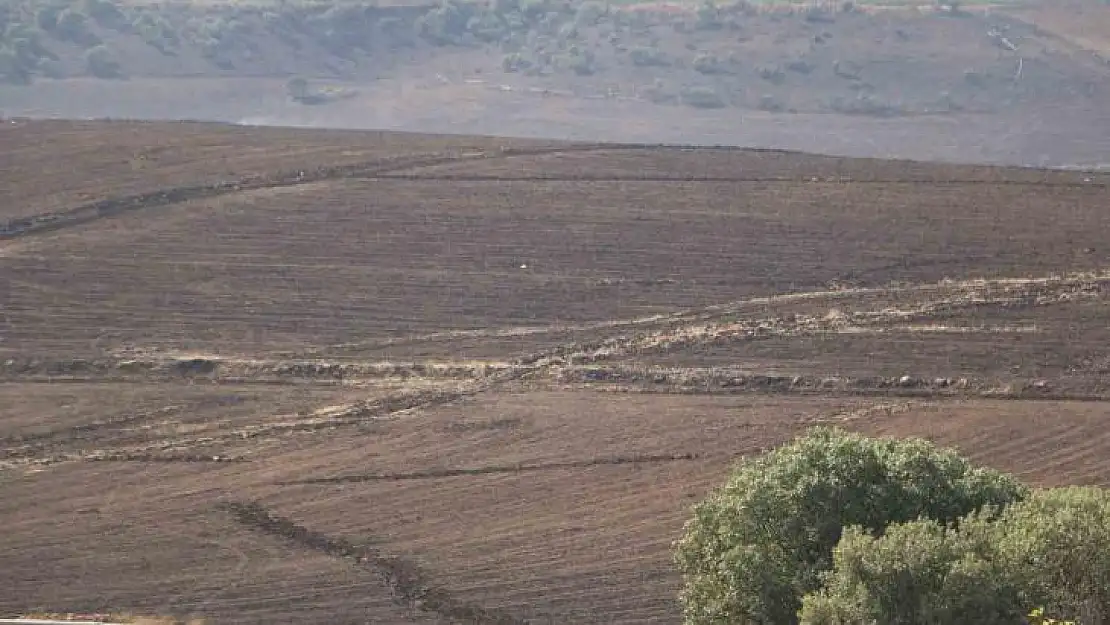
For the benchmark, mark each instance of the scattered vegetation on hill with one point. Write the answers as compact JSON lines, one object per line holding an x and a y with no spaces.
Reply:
{"x":701,"y":50}
{"x":839,"y":529}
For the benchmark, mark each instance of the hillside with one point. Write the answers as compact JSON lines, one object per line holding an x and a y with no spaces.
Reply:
{"x":320,"y":376}
{"x":854,"y":79}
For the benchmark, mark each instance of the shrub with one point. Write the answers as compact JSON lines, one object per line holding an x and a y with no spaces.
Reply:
{"x":297,"y":88}
{"x":445,"y":24}
{"x":819,"y":15}
{"x":773,"y":75}
{"x":73,"y":26}
{"x":581,"y":62}
{"x":768,"y":102}
{"x":919,"y":572}
{"x":1051,"y":549}
{"x":800,"y":66}
{"x":47,"y":17}
{"x":708,"y":16}
{"x":100,"y":62}
{"x":703,"y":98}
{"x":589,"y":13}
{"x":487,"y":27}
{"x":648,"y":57}
{"x":763,"y":541}
{"x":1059,"y":540}
{"x":514,"y":62}
{"x":106,"y":13}
{"x":12,"y":69}
{"x":156,"y":32}
{"x":502,"y":7}
{"x":709,"y":64}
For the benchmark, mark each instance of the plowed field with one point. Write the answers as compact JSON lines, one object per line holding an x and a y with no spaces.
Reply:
{"x":343,"y":377}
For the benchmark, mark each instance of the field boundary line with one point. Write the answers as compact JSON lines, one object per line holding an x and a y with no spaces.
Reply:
{"x":701,"y":313}
{"x":407,"y":582}
{"x":433,"y":474}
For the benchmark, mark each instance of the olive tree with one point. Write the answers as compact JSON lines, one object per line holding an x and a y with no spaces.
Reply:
{"x":1058,"y":541}
{"x":918,"y":573}
{"x":759,"y":544}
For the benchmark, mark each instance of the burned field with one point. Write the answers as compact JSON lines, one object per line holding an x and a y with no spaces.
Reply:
{"x":372,"y":377}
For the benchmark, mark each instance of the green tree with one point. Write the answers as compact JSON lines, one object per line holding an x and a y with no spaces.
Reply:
{"x":763,"y":541}
{"x":297,"y":88}
{"x":106,"y":13}
{"x":1059,"y":541}
{"x":100,"y":62}
{"x":917,"y":573}
{"x":73,"y":26}
{"x":12,"y":70}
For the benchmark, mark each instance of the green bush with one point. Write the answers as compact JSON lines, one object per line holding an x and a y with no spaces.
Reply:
{"x":22,"y":53}
{"x":12,"y":69}
{"x":648,"y":57}
{"x":708,"y":16}
{"x":919,"y":572}
{"x":1058,"y":540}
{"x":447,"y":23}
{"x":156,"y":32}
{"x":47,"y":17}
{"x":514,"y":62}
{"x":589,"y":13}
{"x":764,"y":541}
{"x":773,"y":75}
{"x":1051,"y":550}
{"x":106,"y":13}
{"x":73,"y":26}
{"x":702,"y":97}
{"x":579,"y":60}
{"x":100,"y":62}
{"x":709,"y":64}
{"x":487,"y":27}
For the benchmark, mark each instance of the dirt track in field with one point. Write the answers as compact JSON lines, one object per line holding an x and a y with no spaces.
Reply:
{"x":449,"y":379}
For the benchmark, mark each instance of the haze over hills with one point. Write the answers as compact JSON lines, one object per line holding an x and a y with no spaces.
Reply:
{"x":1012,"y":83}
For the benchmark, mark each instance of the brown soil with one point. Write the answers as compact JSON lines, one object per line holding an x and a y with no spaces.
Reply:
{"x":435,"y":380}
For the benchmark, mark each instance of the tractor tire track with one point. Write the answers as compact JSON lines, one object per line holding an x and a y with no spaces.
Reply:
{"x":409,"y":584}
{"x":433,"y":474}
